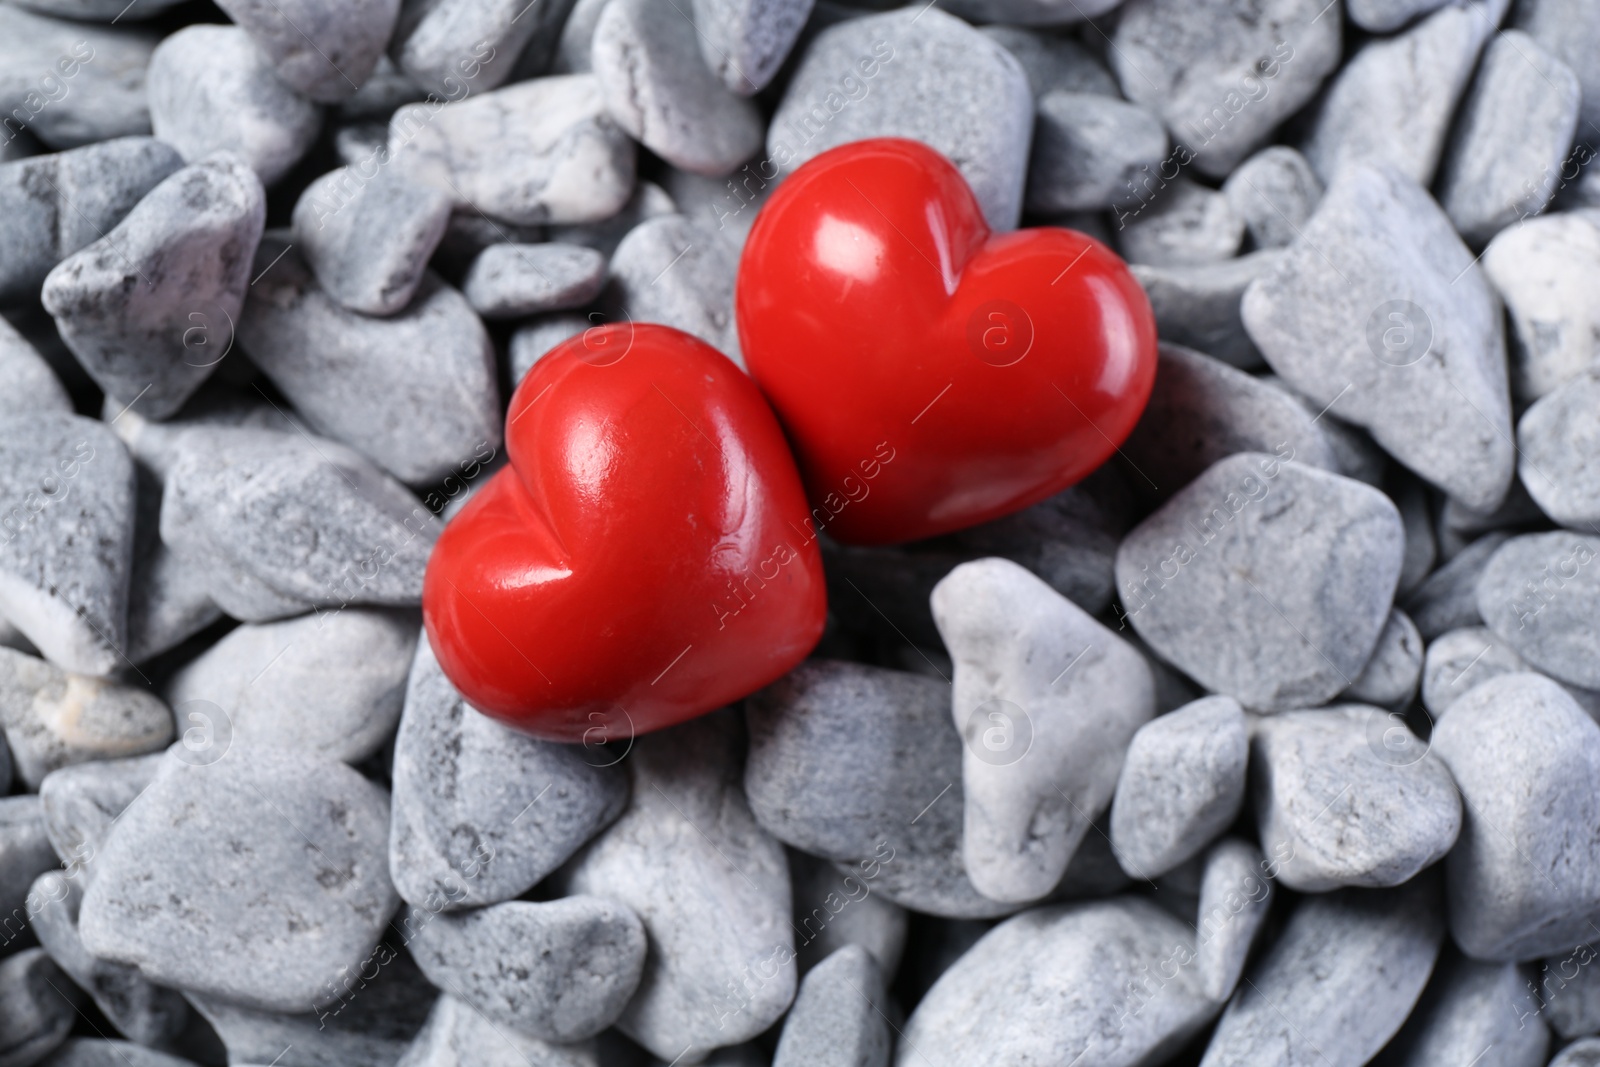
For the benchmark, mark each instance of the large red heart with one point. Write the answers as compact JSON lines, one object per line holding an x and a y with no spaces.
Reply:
{"x":643,"y":558}
{"x":932,"y":375}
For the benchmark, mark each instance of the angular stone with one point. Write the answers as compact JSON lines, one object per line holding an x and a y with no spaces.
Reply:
{"x":834,"y":908}
{"x":1087,"y":150}
{"x":1276,"y":192}
{"x":1470,"y":1009}
{"x":511,"y":281}
{"x":838,"y":1016}
{"x":25,"y":853}
{"x":38,"y":1005}
{"x":81,"y":803}
{"x":458,"y":1035}
{"x":1390,"y":677}
{"x":1181,"y":224}
{"x":1448,"y":599}
{"x":1379,"y":313}
{"x":744,"y":42}
{"x":1540,"y":594}
{"x":1558,"y":446}
{"x":1198,"y":306}
{"x":72,"y":84}
{"x":322,"y":53}
{"x":1544,"y":270}
{"x":534,"y":341}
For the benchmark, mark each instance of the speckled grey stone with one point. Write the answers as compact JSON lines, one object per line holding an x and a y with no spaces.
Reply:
{"x":341,"y":532}
{"x":469,"y":232}
{"x":1540,"y":593}
{"x":1472,"y":1009}
{"x":482,"y":813}
{"x":1356,"y":455}
{"x":838,"y":1018}
{"x":67,"y":544}
{"x":25,"y":853}
{"x":1235,"y":896}
{"x":1570,"y":29}
{"x":1558,"y":452}
{"x":666,"y":271}
{"x":744,"y":42}
{"x":1267,"y":580}
{"x":1276,"y":192}
{"x":510,"y":281}
{"x":647,"y":201}
{"x":1459,"y":661}
{"x":533,"y":341}
{"x":710,"y":885}
{"x":73,"y":84}
{"x":1391,"y":676}
{"x":416,"y":392}
{"x":156,"y":445}
{"x":458,"y":1035}
{"x":1053,"y":61}
{"x":835,"y":906}
{"x":1448,"y":599}
{"x":1541,"y":270}
{"x":53,"y":718}
{"x":1087,"y":150}
{"x":81,"y":803}
{"x":462,"y":48}
{"x":187,"y":247}
{"x":924,"y":75}
{"x":1379,"y":313}
{"x":1198,"y":306}
{"x":368,"y":236}
{"x":538,"y":151}
{"x":1222,"y":77}
{"x":177,"y":889}
{"x":1181,"y":224}
{"x":1583,"y":1053}
{"x":38,"y":1005}
{"x":1181,"y":785}
{"x":53,"y":205}
{"x":322,"y":53}
{"x":27,"y":384}
{"x":1566,"y":994}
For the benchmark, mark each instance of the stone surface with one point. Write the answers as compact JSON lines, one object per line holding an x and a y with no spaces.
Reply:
{"x":1544,"y":271}
{"x":167,"y":601}
{"x":1540,"y":594}
{"x":1088,"y":148}
{"x":1235,"y":896}
{"x":1385,"y":16}
{"x":1570,"y":29}
{"x":1422,"y":548}
{"x":1379,"y":313}
{"x":1391,"y":676}
{"x":72,"y":84}
{"x":1198,"y":306}
{"x":1448,"y":599}
{"x":25,"y":853}
{"x":458,"y":1035}
{"x":1276,"y":192}
{"x":666,"y":271}
{"x":838,"y":1017}
{"x":27,"y":384}
{"x":533,"y":341}
{"x":834,"y":908}
{"x":1472,"y":1009}
{"x":1459,"y":661}
{"x":648,"y":201}
{"x":1558,"y":452}
{"x":81,"y":803}
{"x":1584,"y":1053}
{"x":1179,"y":224}
{"x":38,"y":1006}
{"x":511,"y":281}
{"x":461,"y":48}
{"x":1053,"y":61}
{"x":744,"y":42}
{"x":324,"y":54}
{"x":1032,"y":12}
{"x":1264,"y":579}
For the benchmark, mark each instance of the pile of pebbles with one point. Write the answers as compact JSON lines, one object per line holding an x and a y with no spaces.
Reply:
{"x":1272,"y":743}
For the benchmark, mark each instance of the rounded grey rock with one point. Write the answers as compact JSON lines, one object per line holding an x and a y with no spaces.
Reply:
{"x":1558,"y":450}
{"x":838,"y":1017}
{"x":666,"y":271}
{"x":27,"y":384}
{"x":1052,"y":61}
{"x":72,"y":83}
{"x":25,"y":854}
{"x":1236,"y":893}
{"x":1087,"y":150}
{"x":1197,"y":306}
{"x":1539,"y":269}
{"x":1448,"y":598}
{"x":533,"y":341}
{"x":459,"y":1035}
{"x":1179,"y":224}
{"x":1459,"y":661}
{"x":323,"y":53}
{"x":1385,"y":16}
{"x":1540,"y":594}
{"x":1276,"y":192}
{"x":1391,"y":676}
{"x":38,"y":1006}
{"x":1570,"y":29}
{"x":511,"y":281}
{"x":836,"y":907}
{"x":1582,"y":1053}
{"x":744,"y":42}
{"x":81,"y":803}
{"x":461,"y":48}
{"x":1473,"y":1009}
{"x":167,"y":601}
{"x":1422,"y":548}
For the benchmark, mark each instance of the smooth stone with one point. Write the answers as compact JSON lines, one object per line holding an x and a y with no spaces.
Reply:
{"x":1424,"y":375}
{"x":365,"y":144}
{"x":1545,"y":271}
{"x":54,"y":718}
{"x":212,"y":90}
{"x":1198,"y":306}
{"x":1087,"y":149}
{"x":538,"y":151}
{"x":709,"y":884}
{"x":1540,"y":595}
{"x":25,"y":854}
{"x":141,"y":1011}
{"x":1471,"y":1010}
{"x":533,"y":341}
{"x":74,"y":83}
{"x":177,"y":889}
{"x":1448,"y":598}
{"x":666,"y":271}
{"x":341,"y":531}
{"x":1185,"y":224}
{"x":924,"y":75}
{"x":89,"y":1052}
{"x":81,"y":803}
{"x":1558,"y":452}
{"x":1459,"y":661}
{"x":1582,"y":1053}
{"x":1386,"y":16}
{"x":1570,"y":29}
{"x":324,"y":54}
{"x":647,"y":201}
{"x":190,"y":241}
{"x":1355,"y":453}
{"x":560,"y":971}
{"x":53,"y":205}
{"x":98,"y":10}
{"x":1276,"y":192}
{"x":468,"y":233}
{"x":1047,"y":701}
{"x":27,"y":384}
{"x":1181,"y":785}
{"x":577,"y":38}
{"x":1338,"y":982}
{"x":38,"y":1006}
{"x":1524,"y":880}
{"x":1391,"y":676}
{"x":1053,"y":61}
{"x":1356,"y":796}
{"x":1323,"y":550}
{"x":1032,"y":12}
{"x":1234,"y":900}
{"x":1428,"y":66}
{"x":1223,"y":77}
{"x":834,"y":908}
{"x":463,"y":48}
{"x":1422,"y":548}
{"x":482,"y":813}
{"x":511,"y":281}
{"x":1566,"y":994}
{"x":838,"y":1015}
{"x":458,"y":1035}
{"x":330,"y":684}
{"x":417,"y":392}
{"x":157,"y":445}
{"x":744,"y":42}
{"x":647,"y":58}
{"x":167,"y":601}
{"x":70,"y":485}
{"x":368,"y":240}
{"x":385,"y":89}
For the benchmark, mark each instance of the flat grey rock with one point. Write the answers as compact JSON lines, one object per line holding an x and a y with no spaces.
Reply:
{"x":38,"y":1006}
{"x":1354,"y":794}
{"x":1182,"y":224}
{"x":744,"y":42}
{"x":838,"y":1017}
{"x":538,"y":151}
{"x":710,"y":885}
{"x":212,"y":90}
{"x":648,"y":60}
{"x":1558,"y":452}
{"x":1570,"y":29}
{"x":53,"y":718}
{"x":512,"y":281}
{"x":458,"y":1035}
{"x":462,"y":48}
{"x":1235,"y":896}
{"x":1379,"y":313}
{"x":1053,"y":61}
{"x":1524,"y":880}
{"x":1539,"y":269}
{"x":368,"y":236}
{"x":188,"y":246}
{"x":1197,"y":306}
{"x":534,"y":340}
{"x":323,"y":53}
{"x":53,"y":205}
{"x":96,"y":75}
{"x":1223,"y":77}
{"x":923,"y":75}
{"x":1181,"y":785}
{"x":836,"y":907}
{"x":331,"y":683}
{"x":1266,"y":580}
{"x":25,"y":853}
{"x":1339,"y":981}
{"x":481,"y":813}
{"x":1540,"y":594}
{"x":1047,"y":701}
{"x":1088,"y":149}
{"x":1472,"y":1009}
{"x":1276,"y":192}
{"x":666,"y":271}
{"x":341,"y":531}
{"x":177,"y":889}
{"x":1391,"y":676}
{"x":70,"y":485}
{"x":417,"y":392}
{"x":1385,"y":16}
{"x":81,"y":803}
{"x":1448,"y":598}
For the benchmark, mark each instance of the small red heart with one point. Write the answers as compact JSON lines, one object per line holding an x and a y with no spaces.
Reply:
{"x":642,"y":560}
{"x":932,"y":375}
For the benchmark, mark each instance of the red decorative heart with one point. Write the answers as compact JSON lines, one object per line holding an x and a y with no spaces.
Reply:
{"x":642,"y":560}
{"x":932,"y":375}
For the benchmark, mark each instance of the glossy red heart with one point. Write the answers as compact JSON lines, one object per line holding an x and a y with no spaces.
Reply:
{"x":643,"y":558}
{"x":930,"y":374}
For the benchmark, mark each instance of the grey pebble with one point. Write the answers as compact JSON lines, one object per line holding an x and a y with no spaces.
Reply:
{"x":1236,"y":894}
{"x":577,"y":38}
{"x":1459,"y":661}
{"x":25,"y":853}
{"x":92,"y":1052}
{"x":1053,"y":61}
{"x":1356,"y":455}
{"x":1472,"y":1009}
{"x":188,"y":247}
{"x":1583,"y":1053}
{"x":838,"y":1015}
{"x":1197,"y":306}
{"x":464,"y":48}
{"x":1448,"y":598}
{"x":560,"y":970}
{"x":54,"y":718}
{"x":1391,"y":676}
{"x":458,"y":1035}
{"x":1566,"y":995}
{"x":1385,"y":16}
{"x":468,"y":233}
{"x":1181,"y":224}
{"x":834,"y":908}
{"x":1524,"y":880}
{"x":1540,"y":594}
{"x":1570,"y":29}
{"x":1422,"y":549}
{"x":38,"y":1006}
{"x":1276,"y":192}
{"x":744,"y":42}
{"x":481,"y":813}
{"x":385,"y":89}
{"x":27,"y":384}
{"x":1379,"y":313}
{"x":81,"y":803}
{"x":1181,"y":785}
{"x":533,"y":341}
{"x":666,"y":271}
{"x":646,"y":202}
{"x":1558,"y":452}
{"x":96,"y":75}
{"x":510,"y":281}
{"x":924,"y":75}
{"x":1207,"y":580}
{"x":417,"y":392}
{"x":1541,"y":270}
{"x":324,"y":54}
{"x":1087,"y":150}
{"x":167,"y":601}
{"x":53,"y":205}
